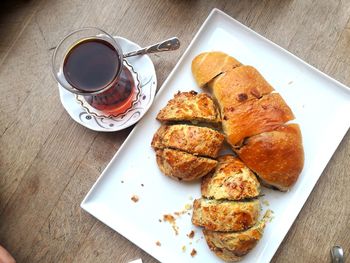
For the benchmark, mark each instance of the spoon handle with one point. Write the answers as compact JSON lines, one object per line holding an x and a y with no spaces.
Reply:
{"x":337,"y":254}
{"x":166,"y":45}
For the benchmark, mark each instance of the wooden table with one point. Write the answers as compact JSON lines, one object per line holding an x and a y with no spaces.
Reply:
{"x":48,"y":162}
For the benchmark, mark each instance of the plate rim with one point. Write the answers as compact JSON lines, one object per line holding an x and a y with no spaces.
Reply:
{"x":215,"y":11}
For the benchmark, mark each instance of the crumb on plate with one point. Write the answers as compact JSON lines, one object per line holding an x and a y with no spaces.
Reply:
{"x":135,"y":198}
{"x":183,"y":248}
{"x":191,"y":234}
{"x":158,"y":244}
{"x":193,"y":252}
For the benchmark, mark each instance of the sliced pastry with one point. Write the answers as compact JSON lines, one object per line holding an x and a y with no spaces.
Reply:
{"x":182,"y":165}
{"x":239,"y":85}
{"x":232,"y":180}
{"x":190,"y":106}
{"x":231,"y":246}
{"x":208,"y":65}
{"x":277,"y":157}
{"x":217,"y":215}
{"x":254,"y":117}
{"x":201,"y":141}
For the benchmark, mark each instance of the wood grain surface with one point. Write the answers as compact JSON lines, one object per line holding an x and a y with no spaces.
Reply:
{"x":48,"y":162}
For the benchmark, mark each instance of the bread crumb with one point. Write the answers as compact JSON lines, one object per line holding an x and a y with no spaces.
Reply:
{"x":160,"y":220}
{"x":135,"y":198}
{"x":168,"y":218}
{"x":183,"y":249}
{"x":142,"y":185}
{"x":265,"y":202}
{"x":158,"y":244}
{"x":122,"y":181}
{"x":191,"y":234}
{"x":193,"y":252}
{"x":290,"y":82}
{"x":171,"y":220}
{"x":188,"y":206}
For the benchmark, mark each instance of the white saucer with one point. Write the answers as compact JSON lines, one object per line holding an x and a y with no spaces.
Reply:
{"x":146,"y":74}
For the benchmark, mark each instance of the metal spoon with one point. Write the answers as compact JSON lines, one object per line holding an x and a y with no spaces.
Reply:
{"x":166,"y":45}
{"x":337,"y":254}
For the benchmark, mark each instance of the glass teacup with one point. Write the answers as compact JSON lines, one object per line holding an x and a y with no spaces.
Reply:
{"x":89,"y":62}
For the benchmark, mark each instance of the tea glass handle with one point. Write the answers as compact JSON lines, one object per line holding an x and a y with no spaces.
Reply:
{"x":166,"y":45}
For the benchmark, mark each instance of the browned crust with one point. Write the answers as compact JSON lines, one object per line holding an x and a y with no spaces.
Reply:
{"x":232,"y":180}
{"x":239,"y":85}
{"x":225,"y":215}
{"x":183,"y":166}
{"x":208,"y":65}
{"x":254,"y":117}
{"x":236,"y":244}
{"x":276,"y":156}
{"x":190,"y":106}
{"x":201,"y":141}
{"x":223,"y":253}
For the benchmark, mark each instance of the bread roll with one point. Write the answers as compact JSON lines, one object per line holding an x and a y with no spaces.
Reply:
{"x":276,"y":156}
{"x":239,"y":85}
{"x":190,"y":106}
{"x":208,"y":65}
{"x":225,"y":215}
{"x":231,"y":246}
{"x":232,"y":180}
{"x":253,"y":117}
{"x":183,"y":166}
{"x":196,"y":140}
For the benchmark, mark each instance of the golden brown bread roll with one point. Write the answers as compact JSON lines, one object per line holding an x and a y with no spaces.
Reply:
{"x":201,"y":141}
{"x":239,"y":85}
{"x":248,"y":108}
{"x":208,"y":65}
{"x":190,"y":106}
{"x":183,"y":166}
{"x":232,"y":180}
{"x":253,"y":117}
{"x":276,"y":156}
{"x":231,"y":246}
{"x":218,"y":215}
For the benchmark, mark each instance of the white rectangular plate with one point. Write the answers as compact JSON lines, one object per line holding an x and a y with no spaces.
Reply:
{"x":319,"y":104}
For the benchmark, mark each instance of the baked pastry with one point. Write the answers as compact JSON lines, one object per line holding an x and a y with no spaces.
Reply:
{"x":276,"y":156}
{"x":196,"y":140}
{"x":249,"y":108}
{"x":239,"y":85}
{"x":253,"y":117}
{"x":231,"y":246}
{"x":182,"y":165}
{"x":218,"y":215}
{"x":232,"y":180}
{"x":208,"y":65}
{"x":190,"y":106}
{"x":230,"y":227}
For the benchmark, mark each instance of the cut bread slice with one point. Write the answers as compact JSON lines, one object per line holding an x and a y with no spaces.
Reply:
{"x":277,"y":157}
{"x":190,"y":106}
{"x":254,"y":117}
{"x":231,"y":246}
{"x":196,"y":140}
{"x":218,"y":215}
{"x":182,"y":165}
{"x":239,"y":85}
{"x":208,"y":65}
{"x":232,"y":180}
